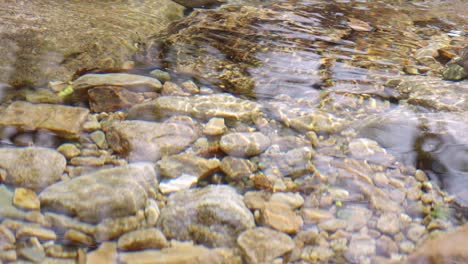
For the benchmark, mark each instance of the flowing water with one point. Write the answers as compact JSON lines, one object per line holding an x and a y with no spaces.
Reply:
{"x":348,"y":95}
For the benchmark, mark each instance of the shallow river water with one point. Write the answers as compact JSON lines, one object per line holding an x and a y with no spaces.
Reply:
{"x":253,"y":132}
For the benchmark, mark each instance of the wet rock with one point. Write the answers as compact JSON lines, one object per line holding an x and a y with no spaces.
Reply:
{"x":213,"y":216}
{"x":356,"y":217}
{"x":105,"y":254}
{"x":170,"y":88}
{"x":150,"y":238}
{"x":26,"y":199}
{"x":8,"y":255}
{"x":199,"y":3}
{"x":152,"y":212}
{"x":415,"y":232}
{"x":184,"y":182}
{"x":54,"y":118}
{"x":386,"y":246}
{"x":215,"y":127}
{"x":75,"y":237}
{"x":190,"y":87}
{"x":7,"y":238}
{"x":389,"y":223}
{"x":237,"y":168}
{"x":360,"y":248}
{"x":69,"y":150}
{"x":97,"y":42}
{"x":176,"y":165}
{"x":315,"y":215}
{"x":332,"y":225}
{"x":112,"y":228}
{"x":369,"y":150}
{"x":201,"y":107}
{"x":293,"y":200}
{"x":445,"y":248}
{"x":88,"y":161}
{"x":63,"y":222}
{"x":7,"y":210}
{"x":131,"y":82}
{"x":112,"y":99}
{"x":32,"y":168}
{"x":149,"y":141}
{"x":162,"y":76}
{"x":31,"y":250}
{"x":263,"y":245}
{"x":125,"y":190}
{"x":244,"y":144}
{"x":454,"y":72}
{"x":281,"y":217}
{"x":294,"y":162}
{"x":59,"y":254}
{"x":100,"y":139}
{"x":180,"y":253}
{"x":42,"y":234}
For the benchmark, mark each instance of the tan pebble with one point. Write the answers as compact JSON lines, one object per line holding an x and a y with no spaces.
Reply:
{"x":421,"y":176}
{"x":315,"y":215}
{"x":78,"y":238}
{"x":190,"y":87}
{"x":41,"y":233}
{"x":215,"y":126}
{"x":150,"y":238}
{"x":59,"y":251}
{"x":281,"y":217}
{"x":26,"y":199}
{"x":68,"y":150}
{"x":294,"y":200}
{"x":37,"y":217}
{"x":6,"y":237}
{"x":427,"y":198}
{"x":8,"y":255}
{"x":105,"y":254}
{"x":91,"y":126}
{"x":88,"y":161}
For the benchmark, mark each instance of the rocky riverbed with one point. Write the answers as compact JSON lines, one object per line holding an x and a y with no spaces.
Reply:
{"x":311,"y":152}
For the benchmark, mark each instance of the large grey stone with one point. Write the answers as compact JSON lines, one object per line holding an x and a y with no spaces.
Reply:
{"x":201,"y":107}
{"x":45,"y":39}
{"x":149,"y":141}
{"x":213,"y":216}
{"x":62,"y":120}
{"x":33,"y":168}
{"x":107,"y":193}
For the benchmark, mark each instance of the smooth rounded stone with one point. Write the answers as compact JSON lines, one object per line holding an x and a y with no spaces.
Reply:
{"x":386,"y":246}
{"x":263,"y":245}
{"x":42,"y":234}
{"x":356,"y":217}
{"x":152,"y":212}
{"x":367,"y":149}
{"x":106,"y":254}
{"x":149,"y":141}
{"x":199,"y":3}
{"x":115,"y":192}
{"x":201,"y":107}
{"x":26,"y":199}
{"x":181,"y":253}
{"x":444,"y":248}
{"x":33,"y":168}
{"x":69,"y":150}
{"x":454,"y":72}
{"x":176,"y":165}
{"x":316,"y":215}
{"x":360,"y":248}
{"x":237,"y":168}
{"x":99,"y":138}
{"x":215,"y":127}
{"x":131,"y":82}
{"x":7,"y":238}
{"x":162,"y":76}
{"x":76,"y":237}
{"x":112,"y":228}
{"x":88,"y":161}
{"x":295,"y":162}
{"x":244,"y":144}
{"x":54,"y":118}
{"x":332,"y":225}
{"x":184,"y":182}
{"x":90,"y":126}
{"x":255,"y":200}
{"x":415,"y":232}
{"x":281,"y":217}
{"x":112,"y":99}
{"x":215,"y":215}
{"x":190,"y":87}
{"x":170,"y":88}
{"x":389,"y":223}
{"x":293,"y":200}
{"x":150,"y":238}
{"x":421,"y":176}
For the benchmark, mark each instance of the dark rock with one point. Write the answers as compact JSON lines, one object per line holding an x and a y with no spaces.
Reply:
{"x":112,"y":98}
{"x":198,"y":3}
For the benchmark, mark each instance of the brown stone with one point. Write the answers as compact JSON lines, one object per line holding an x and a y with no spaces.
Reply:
{"x":150,"y":238}
{"x":55,"y":118}
{"x":281,"y":217}
{"x":176,"y":165}
{"x":112,"y":98}
{"x":237,"y":168}
{"x":42,"y":234}
{"x":26,"y":199}
{"x":105,"y":254}
{"x":446,"y":248}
